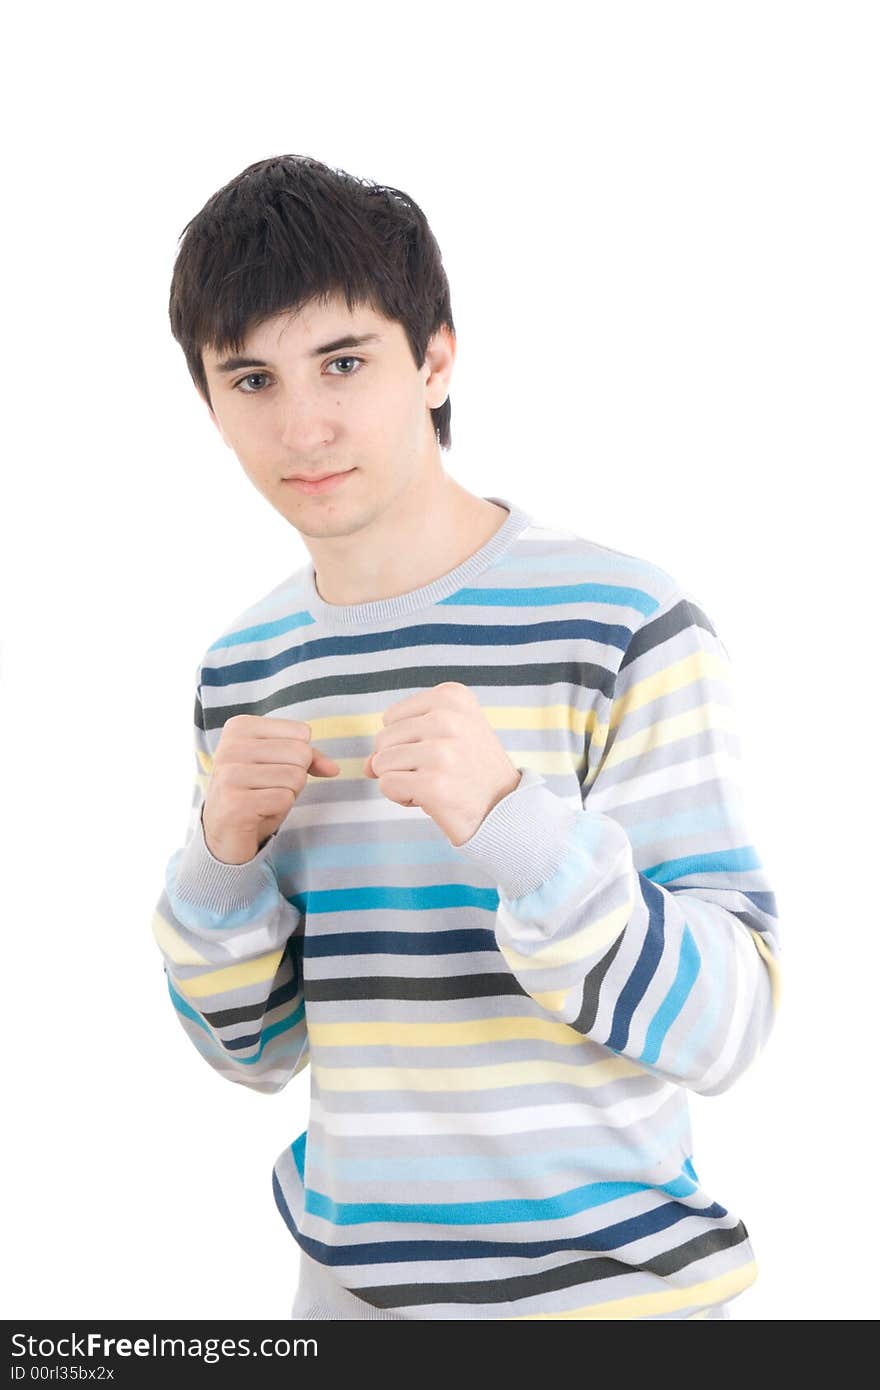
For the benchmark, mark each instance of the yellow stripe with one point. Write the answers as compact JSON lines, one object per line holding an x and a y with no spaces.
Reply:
{"x":772,"y":965}
{"x":562,"y":716}
{"x":645,"y":1305}
{"x":547,"y":763}
{"x":532,"y":717}
{"x":202,"y":778}
{"x":675,"y":677}
{"x":565,"y":717}
{"x":462,"y":1034}
{"x":663,"y":731}
{"x":230,"y":977}
{"x":553,"y":999}
{"x":579,"y":946}
{"x":173,"y":944}
{"x":586,"y":1074}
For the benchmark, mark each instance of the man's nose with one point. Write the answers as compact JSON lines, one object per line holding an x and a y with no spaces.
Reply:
{"x":306,"y":420}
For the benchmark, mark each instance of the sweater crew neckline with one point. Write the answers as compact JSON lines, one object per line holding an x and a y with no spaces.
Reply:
{"x":349,"y":615}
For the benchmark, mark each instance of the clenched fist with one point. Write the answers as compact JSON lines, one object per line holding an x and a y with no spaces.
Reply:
{"x":260,"y":768}
{"x":438,"y":750}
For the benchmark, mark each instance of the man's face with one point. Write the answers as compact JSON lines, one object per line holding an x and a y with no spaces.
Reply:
{"x":293,"y":405}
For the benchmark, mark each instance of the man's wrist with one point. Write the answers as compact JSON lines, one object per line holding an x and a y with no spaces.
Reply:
{"x":214,"y":889}
{"x":523,"y":839}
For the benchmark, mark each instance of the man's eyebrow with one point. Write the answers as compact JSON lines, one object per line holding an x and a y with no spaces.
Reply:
{"x":235,"y":364}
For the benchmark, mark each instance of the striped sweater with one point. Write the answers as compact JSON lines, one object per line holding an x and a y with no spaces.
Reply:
{"x":500,"y":1036}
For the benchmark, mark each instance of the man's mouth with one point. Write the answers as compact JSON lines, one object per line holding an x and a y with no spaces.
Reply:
{"x":327,"y":483}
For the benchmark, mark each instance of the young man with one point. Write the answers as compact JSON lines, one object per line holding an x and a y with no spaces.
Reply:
{"x":467,"y":833}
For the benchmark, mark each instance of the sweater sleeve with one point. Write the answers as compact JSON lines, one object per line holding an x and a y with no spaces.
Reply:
{"x":644,"y":918}
{"x":231,"y":945}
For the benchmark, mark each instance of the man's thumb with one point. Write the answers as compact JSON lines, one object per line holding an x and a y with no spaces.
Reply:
{"x":323,"y":766}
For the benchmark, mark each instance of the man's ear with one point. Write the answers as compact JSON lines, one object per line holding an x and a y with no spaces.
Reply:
{"x":439,"y":358}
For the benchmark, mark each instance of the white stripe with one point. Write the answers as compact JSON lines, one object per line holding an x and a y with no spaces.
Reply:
{"x":329,"y":813}
{"x":492,"y":1122}
{"x":688,"y":775}
{"x":743,"y":995}
{"x":253,"y":943}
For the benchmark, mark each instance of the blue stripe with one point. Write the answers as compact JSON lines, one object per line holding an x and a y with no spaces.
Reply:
{"x":282,"y":1025}
{"x":704,"y":1026}
{"x":548,"y":595}
{"x":688,"y":969}
{"x":380,"y":1252}
{"x":488,"y":1213}
{"x":348,"y":855}
{"x":679,"y":824}
{"x":420,"y":898}
{"x":722,"y":861}
{"x":261,"y":632}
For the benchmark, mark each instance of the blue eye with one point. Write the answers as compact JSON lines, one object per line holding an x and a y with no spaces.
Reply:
{"x":346,"y":359}
{"x":251,"y":376}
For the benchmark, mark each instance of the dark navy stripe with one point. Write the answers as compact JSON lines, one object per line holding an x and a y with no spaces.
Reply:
{"x":403,"y":943}
{"x":645,"y":967}
{"x":564,"y":1276}
{"x":250,"y":1013}
{"x":473,"y":635}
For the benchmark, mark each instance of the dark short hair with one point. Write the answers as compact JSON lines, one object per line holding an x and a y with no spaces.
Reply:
{"x":289,"y":230}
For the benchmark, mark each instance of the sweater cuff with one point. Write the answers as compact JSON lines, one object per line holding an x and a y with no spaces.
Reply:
{"x":215,"y":889}
{"x":524,"y":839}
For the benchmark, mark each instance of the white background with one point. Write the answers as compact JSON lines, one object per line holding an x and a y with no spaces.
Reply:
{"x":660,"y":226}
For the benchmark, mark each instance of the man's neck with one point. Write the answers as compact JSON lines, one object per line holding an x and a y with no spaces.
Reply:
{"x":430,"y":533}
